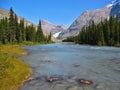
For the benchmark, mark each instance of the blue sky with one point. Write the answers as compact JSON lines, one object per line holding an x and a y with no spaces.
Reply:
{"x":55,"y":11}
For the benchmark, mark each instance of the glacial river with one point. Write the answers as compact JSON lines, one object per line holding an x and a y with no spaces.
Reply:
{"x":71,"y":62}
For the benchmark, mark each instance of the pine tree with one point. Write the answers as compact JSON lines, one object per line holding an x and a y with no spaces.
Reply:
{"x":116,"y":32}
{"x":112,"y":26}
{"x":22,"y":30}
{"x":49,"y":38}
{"x":16,"y":28}
{"x":39,"y":34}
{"x":13,"y":32}
{"x":101,"y":41}
{"x":107,"y":32}
{"x":11,"y":26}
{"x":108,"y":40}
{"x":5,"y":33}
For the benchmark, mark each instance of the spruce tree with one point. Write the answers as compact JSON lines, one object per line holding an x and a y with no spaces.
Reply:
{"x":101,"y":40}
{"x":16,"y":28}
{"x":49,"y":37}
{"x":39,"y":34}
{"x":116,"y":34}
{"x":22,"y":30}
{"x":11,"y":26}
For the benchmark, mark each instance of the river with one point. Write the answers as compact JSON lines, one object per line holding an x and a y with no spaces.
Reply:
{"x":72,"y":62}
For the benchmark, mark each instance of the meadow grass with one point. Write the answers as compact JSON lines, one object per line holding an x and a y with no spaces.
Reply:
{"x":13,"y":71}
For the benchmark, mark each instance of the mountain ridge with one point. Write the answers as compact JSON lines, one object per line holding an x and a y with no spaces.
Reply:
{"x":5,"y":13}
{"x":96,"y":15}
{"x":53,"y":28}
{"x":47,"y":26}
{"x":84,"y":19}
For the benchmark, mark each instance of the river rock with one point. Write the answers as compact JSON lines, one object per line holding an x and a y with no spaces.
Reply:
{"x":76,"y":65}
{"x":85,"y":81}
{"x":52,"y":78}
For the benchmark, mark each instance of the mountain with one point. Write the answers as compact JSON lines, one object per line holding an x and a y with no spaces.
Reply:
{"x":93,"y":15}
{"x":46,"y":25}
{"x":5,"y":13}
{"x":115,"y":8}
{"x":54,"y":29}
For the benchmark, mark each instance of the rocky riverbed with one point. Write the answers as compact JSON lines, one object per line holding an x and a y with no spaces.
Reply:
{"x":66,"y":66}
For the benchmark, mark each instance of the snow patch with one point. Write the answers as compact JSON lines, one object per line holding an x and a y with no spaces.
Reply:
{"x":109,"y":5}
{"x":115,"y":2}
{"x":108,"y":17}
{"x":56,"y":34}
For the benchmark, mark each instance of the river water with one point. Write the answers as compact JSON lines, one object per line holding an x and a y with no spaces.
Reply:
{"x":71,"y":62}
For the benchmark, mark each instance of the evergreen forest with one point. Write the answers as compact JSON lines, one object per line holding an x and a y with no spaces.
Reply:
{"x":106,"y":33}
{"x":13,"y":31}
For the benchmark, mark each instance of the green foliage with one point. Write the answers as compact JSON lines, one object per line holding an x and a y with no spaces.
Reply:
{"x":70,"y":39}
{"x":39,"y":34}
{"x":48,"y":39}
{"x":104,"y":33}
{"x":12,"y":32}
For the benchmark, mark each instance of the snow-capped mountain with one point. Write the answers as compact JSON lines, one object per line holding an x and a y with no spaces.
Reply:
{"x":116,"y":8}
{"x":96,"y":15}
{"x":109,"y":5}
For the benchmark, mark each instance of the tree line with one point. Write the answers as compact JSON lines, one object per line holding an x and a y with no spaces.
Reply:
{"x":14,"y":31}
{"x":106,"y":33}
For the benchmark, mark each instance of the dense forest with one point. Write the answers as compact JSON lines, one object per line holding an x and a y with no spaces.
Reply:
{"x":106,"y":33}
{"x":13,"y":32}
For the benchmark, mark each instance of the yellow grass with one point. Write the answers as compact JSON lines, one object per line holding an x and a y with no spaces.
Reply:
{"x":13,"y":71}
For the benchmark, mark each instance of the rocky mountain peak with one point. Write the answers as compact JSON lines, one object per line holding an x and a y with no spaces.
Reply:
{"x":94,"y":15}
{"x":49,"y":27}
{"x":116,"y":8}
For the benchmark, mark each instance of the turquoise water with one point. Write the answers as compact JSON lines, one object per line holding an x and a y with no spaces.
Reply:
{"x":71,"y":62}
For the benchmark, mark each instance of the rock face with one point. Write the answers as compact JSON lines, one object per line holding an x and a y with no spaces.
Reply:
{"x":95,"y":15}
{"x":4,"y":13}
{"x":49,"y":27}
{"x":116,"y":8}
{"x":85,"y":19}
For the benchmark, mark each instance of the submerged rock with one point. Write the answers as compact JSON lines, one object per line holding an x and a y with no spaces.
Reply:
{"x":52,"y":78}
{"x":85,"y":82}
{"x":76,"y":65}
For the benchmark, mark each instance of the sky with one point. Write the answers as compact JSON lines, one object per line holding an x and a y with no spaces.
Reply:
{"x":54,"y":11}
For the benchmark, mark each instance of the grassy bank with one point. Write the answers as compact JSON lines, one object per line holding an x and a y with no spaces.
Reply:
{"x":13,"y":71}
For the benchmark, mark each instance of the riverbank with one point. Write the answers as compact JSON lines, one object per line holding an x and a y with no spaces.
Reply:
{"x":13,"y":71}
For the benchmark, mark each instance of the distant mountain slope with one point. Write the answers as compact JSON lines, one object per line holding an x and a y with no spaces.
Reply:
{"x":116,"y":8}
{"x":49,"y":27}
{"x":4,"y":13}
{"x":95,"y":15}
{"x":85,"y":19}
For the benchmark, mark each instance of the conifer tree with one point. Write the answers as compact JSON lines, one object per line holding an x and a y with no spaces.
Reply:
{"x":12,"y":31}
{"x":107,"y":32}
{"x":39,"y":34}
{"x":11,"y":26}
{"x":116,"y":34}
{"x":49,"y":37}
{"x":101,"y":41}
{"x":22,"y":30}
